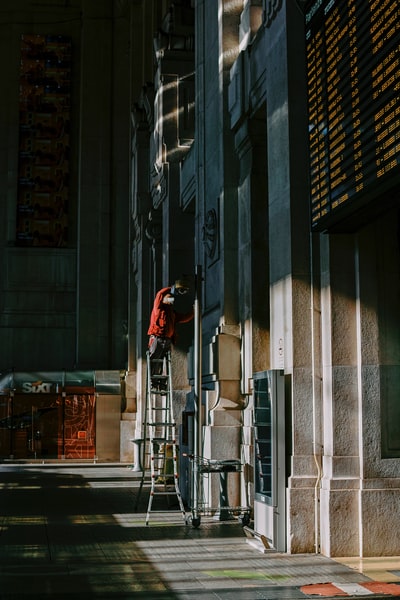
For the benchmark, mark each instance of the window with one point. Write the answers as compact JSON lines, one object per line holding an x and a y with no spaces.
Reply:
{"x":263,"y":436}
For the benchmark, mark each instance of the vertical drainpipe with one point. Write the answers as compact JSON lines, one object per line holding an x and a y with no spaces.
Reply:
{"x":197,"y":429}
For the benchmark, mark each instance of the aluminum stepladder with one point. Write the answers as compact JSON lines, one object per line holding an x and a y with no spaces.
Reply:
{"x":160,"y":443}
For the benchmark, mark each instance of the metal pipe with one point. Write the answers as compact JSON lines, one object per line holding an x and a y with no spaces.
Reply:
{"x":197,"y":429}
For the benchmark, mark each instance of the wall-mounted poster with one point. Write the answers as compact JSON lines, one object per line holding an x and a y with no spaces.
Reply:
{"x":43,"y":167}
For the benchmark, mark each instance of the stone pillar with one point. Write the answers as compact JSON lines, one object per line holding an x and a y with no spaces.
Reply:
{"x":341,"y":460}
{"x":361,"y":476}
{"x":379,"y":252}
{"x":291,"y":301}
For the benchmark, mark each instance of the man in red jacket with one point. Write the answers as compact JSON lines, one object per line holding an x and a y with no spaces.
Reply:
{"x":163,"y":321}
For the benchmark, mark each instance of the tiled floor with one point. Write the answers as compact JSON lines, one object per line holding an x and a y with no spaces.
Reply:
{"x":71,"y":532}
{"x":384,"y":568}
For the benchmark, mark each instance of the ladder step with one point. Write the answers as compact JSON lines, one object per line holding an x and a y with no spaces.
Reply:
{"x":161,"y":440}
{"x":165,"y":493}
{"x":162,"y":455}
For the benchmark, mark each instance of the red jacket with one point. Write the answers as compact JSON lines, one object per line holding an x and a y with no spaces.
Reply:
{"x":163,"y":317}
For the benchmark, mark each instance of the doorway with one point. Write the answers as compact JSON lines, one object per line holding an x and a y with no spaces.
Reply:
{"x":48,"y":426}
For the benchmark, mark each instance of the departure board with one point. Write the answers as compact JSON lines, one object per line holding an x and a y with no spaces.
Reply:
{"x":353,"y":74}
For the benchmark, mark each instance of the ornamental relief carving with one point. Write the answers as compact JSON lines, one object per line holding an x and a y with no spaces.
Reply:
{"x":136,"y":237}
{"x":210,"y":233}
{"x":272,"y":7}
{"x":153,"y":228}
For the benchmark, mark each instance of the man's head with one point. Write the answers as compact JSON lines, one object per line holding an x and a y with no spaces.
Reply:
{"x":181,"y":286}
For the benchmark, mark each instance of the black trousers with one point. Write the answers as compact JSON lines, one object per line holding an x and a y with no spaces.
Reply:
{"x":158,"y":348}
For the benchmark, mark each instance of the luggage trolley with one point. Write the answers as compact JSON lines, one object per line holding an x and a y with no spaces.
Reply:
{"x":201,"y":470}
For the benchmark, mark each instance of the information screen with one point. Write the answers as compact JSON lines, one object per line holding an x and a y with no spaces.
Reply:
{"x":353,"y":72}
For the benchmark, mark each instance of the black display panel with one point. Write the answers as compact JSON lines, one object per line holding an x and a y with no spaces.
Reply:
{"x":353,"y":74}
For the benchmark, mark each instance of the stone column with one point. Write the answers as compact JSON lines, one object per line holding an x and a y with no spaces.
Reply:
{"x":378,"y":255}
{"x":341,"y":460}
{"x":291,"y":299}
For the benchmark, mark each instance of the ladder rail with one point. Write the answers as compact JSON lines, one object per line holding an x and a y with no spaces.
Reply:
{"x":159,"y":437}
{"x":142,"y":448}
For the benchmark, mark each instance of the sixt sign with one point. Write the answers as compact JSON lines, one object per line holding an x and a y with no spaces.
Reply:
{"x":37,"y":387}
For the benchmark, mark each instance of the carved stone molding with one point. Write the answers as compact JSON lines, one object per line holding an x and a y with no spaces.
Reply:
{"x":210,"y":233}
{"x":159,"y":183}
{"x":272,"y":7}
{"x":136,"y":235}
{"x":153,"y":228}
{"x":136,"y":230}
